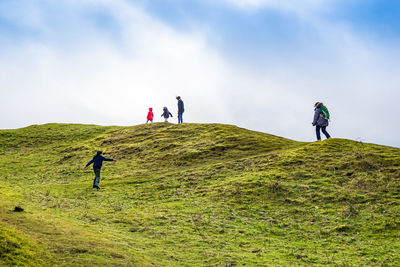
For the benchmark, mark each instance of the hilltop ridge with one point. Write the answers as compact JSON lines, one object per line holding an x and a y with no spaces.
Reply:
{"x":195,"y":194}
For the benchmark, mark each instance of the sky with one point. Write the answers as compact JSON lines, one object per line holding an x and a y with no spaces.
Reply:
{"x":257,"y":64}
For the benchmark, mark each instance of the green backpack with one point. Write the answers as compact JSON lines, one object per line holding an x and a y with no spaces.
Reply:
{"x":325,"y":112}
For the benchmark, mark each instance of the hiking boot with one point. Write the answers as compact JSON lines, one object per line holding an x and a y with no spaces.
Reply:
{"x":319,"y":140}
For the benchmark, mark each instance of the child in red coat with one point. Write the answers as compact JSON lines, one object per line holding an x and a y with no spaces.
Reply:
{"x":150,"y":115}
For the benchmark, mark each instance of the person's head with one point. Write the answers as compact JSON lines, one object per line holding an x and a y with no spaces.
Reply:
{"x":318,"y":104}
{"x":98,"y":153}
{"x":178,"y":98}
{"x":150,"y":109}
{"x":165,"y":108}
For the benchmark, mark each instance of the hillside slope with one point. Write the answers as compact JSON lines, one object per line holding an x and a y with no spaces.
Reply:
{"x":195,"y":194}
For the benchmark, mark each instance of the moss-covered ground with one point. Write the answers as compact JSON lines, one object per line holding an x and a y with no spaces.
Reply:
{"x":195,"y":195}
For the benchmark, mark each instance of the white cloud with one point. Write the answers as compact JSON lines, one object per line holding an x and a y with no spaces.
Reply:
{"x":116,"y":81}
{"x":75,"y":72}
{"x":300,"y":7}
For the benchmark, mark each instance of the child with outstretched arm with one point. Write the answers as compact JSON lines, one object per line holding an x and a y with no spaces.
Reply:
{"x":166,"y":114}
{"x":97,"y":164}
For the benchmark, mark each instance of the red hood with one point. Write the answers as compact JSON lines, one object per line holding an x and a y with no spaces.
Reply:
{"x":150,"y":109}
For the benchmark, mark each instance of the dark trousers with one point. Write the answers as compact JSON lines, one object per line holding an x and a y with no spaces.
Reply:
{"x":180,"y":118}
{"x":323,"y":128}
{"x":96,"y":180}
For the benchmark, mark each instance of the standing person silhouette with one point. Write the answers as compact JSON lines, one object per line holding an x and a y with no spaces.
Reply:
{"x":181,"y":109}
{"x":150,"y":115}
{"x":320,"y":120}
{"x":97,"y":163}
{"x":166,"y":114}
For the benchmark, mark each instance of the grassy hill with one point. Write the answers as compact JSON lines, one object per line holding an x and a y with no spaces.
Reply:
{"x":195,"y":195}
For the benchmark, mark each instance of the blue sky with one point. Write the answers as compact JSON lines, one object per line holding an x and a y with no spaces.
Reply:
{"x":259,"y":64}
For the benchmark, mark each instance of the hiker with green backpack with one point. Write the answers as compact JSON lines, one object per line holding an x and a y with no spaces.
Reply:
{"x":321,"y":120}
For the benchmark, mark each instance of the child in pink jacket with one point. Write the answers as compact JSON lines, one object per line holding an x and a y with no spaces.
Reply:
{"x":150,"y":115}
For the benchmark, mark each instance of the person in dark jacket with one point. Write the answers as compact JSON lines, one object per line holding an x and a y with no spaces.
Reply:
{"x":166,"y":114}
{"x":320,"y":122}
{"x":150,"y":115}
{"x":181,"y":109}
{"x":97,"y":163}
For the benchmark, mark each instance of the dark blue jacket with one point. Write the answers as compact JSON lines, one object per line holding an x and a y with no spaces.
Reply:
{"x":166,"y":114}
{"x":181,"y":108}
{"x":98,"y":161}
{"x":318,"y":119}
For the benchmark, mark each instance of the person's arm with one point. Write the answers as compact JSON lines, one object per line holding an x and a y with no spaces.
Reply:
{"x":170,"y":114}
{"x":107,"y":159}
{"x":90,"y":162}
{"x":316,"y":116}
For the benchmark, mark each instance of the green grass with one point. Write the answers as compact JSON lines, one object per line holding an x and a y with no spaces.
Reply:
{"x":195,"y":195}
